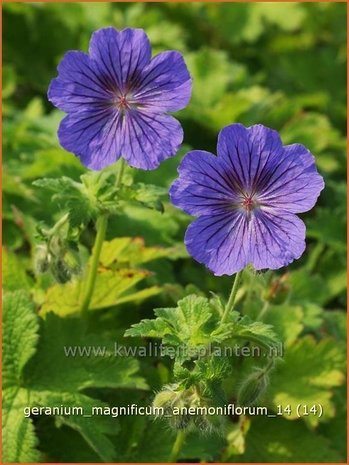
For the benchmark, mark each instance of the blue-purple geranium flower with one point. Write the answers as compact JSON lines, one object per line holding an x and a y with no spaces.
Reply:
{"x":117,"y":97}
{"x":246,"y":199}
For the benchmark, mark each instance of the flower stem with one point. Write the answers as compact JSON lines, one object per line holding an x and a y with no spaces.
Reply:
{"x":120,"y":174}
{"x":177,"y":446}
{"x":101,"y":227}
{"x":230,"y":305}
{"x":54,"y":230}
{"x":61,"y":222}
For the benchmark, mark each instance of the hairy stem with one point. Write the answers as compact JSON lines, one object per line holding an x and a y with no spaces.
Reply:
{"x":177,"y":446}
{"x":61,"y":222}
{"x":101,"y":227}
{"x":55,"y":229}
{"x":231,"y":302}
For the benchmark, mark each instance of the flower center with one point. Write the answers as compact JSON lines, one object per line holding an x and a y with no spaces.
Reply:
{"x":122,"y":103}
{"x":249,"y":203}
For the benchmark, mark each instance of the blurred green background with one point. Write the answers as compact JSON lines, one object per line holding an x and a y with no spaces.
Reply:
{"x":282,"y":65}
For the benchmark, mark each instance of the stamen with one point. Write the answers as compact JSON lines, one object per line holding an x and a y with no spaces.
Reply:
{"x":248,"y":203}
{"x":122,"y":103}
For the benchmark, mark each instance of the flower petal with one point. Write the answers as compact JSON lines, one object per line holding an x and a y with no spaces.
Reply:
{"x":120,"y":55}
{"x":220,"y":242}
{"x":281,"y":177}
{"x":276,"y":239}
{"x":249,"y":152}
{"x":150,"y":138}
{"x":203,"y":186}
{"x":165,"y":84}
{"x":78,"y":85}
{"x":294,"y":185}
{"x":94,"y":138}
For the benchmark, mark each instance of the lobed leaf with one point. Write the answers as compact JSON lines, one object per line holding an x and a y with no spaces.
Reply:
{"x":184,"y":325}
{"x":132,"y":251}
{"x":56,"y":372}
{"x":308,"y":374}
{"x":112,"y":287}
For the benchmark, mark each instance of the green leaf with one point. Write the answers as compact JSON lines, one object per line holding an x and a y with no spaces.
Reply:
{"x":236,"y":437}
{"x":151,"y":441}
{"x":186,"y":330}
{"x":84,"y":360}
{"x":278,"y":440}
{"x":314,"y":131}
{"x":309,"y":372}
{"x":307,"y":287}
{"x":70,"y":195}
{"x":146,"y":194}
{"x":132,"y":251}
{"x":156,"y":328}
{"x":66,"y":362}
{"x":9,"y":81}
{"x":90,"y":431}
{"x":244,"y":328}
{"x":336,"y":429}
{"x":112,"y":287}
{"x":286,"y":16}
{"x":18,"y":436}
{"x":64,"y":443}
{"x":329,"y":227}
{"x":15,"y":186}
{"x":213,"y":73}
{"x":187,"y":321}
{"x":95,"y":194}
{"x":313,"y":317}
{"x":336,"y":325}
{"x":213,"y":369}
{"x":155,"y":227}
{"x":12,"y":234}
{"x":250,"y":22}
{"x":14,"y":272}
{"x":184,"y":325}
{"x":51,"y":161}
{"x":20,"y":336}
{"x":93,"y":430}
{"x":286,"y":320}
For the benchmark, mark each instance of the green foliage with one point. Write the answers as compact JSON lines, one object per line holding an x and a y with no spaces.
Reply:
{"x":113,"y":287}
{"x":14,"y":271}
{"x":40,"y":370}
{"x":308,"y":375}
{"x":145,"y":194}
{"x":254,"y":331}
{"x":282,"y":65}
{"x":271,"y":439}
{"x":97,"y":193}
{"x":195,"y":332}
{"x":117,"y":278}
{"x":185,"y":326}
{"x":195,"y":324}
{"x":19,"y":320}
{"x":132,"y":251}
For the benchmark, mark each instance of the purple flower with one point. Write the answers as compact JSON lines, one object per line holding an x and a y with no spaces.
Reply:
{"x":117,"y":97}
{"x":246,"y":199}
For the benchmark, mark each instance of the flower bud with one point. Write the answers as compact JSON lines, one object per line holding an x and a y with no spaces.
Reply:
{"x":168,"y":397}
{"x":60,"y":271}
{"x":253,"y":387}
{"x":164,"y":399}
{"x":72,"y":261}
{"x":41,"y":258}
